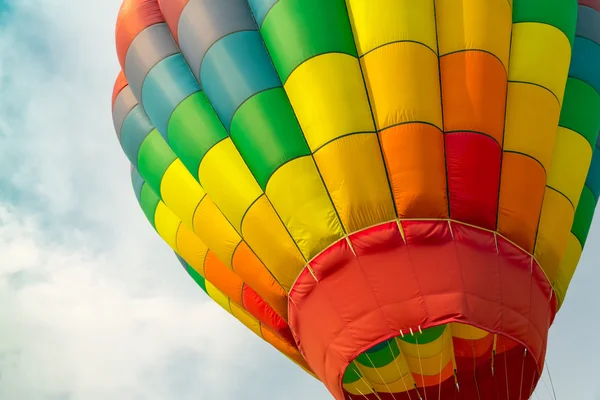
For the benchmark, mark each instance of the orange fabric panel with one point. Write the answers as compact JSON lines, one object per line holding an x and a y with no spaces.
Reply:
{"x":434,"y":380}
{"x":223,"y":278}
{"x":134,"y":17}
{"x":284,"y":347}
{"x":473,"y":93}
{"x":255,"y":274}
{"x":120,"y":84}
{"x":172,"y":9}
{"x":522,"y":188}
{"x":414,"y":156}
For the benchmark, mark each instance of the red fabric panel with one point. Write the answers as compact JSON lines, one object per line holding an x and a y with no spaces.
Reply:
{"x":595,"y":4}
{"x":172,"y":9}
{"x":120,"y":84}
{"x":473,"y":165}
{"x":134,"y":17}
{"x":260,"y":310}
{"x":444,"y":272}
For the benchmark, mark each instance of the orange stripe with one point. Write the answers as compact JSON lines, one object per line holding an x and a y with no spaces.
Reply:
{"x":255,"y":274}
{"x":120,"y":84}
{"x":522,"y":189}
{"x":223,"y":278}
{"x":134,"y":17}
{"x":414,"y":155}
{"x":434,"y":380}
{"x":474,"y":93}
{"x":284,"y":347}
{"x":172,"y":9}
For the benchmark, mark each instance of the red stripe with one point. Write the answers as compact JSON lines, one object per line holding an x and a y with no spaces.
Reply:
{"x":134,"y":17}
{"x":595,"y":4}
{"x":172,"y":9}
{"x":473,"y":165}
{"x":260,"y":310}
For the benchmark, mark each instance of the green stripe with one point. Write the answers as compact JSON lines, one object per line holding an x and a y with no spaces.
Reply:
{"x":580,"y":110}
{"x":267,"y":134}
{"x":559,"y":13}
{"x":154,"y":158}
{"x":584,"y":215}
{"x":352,"y":374}
{"x":194,"y":128}
{"x":296,"y":30}
{"x":196,"y":277}
{"x":380,"y":355}
{"x":429,"y":335}
{"x":149,"y":201}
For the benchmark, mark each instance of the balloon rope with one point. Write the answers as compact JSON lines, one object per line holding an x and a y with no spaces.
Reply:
{"x":380,"y":377}
{"x":551,"y":383}
{"x":506,"y":371}
{"x":420,"y":363}
{"x":522,"y":374}
{"x":475,"y":370}
{"x":398,"y":366}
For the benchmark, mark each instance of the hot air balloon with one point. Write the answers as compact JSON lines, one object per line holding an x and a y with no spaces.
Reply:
{"x":394,"y":193}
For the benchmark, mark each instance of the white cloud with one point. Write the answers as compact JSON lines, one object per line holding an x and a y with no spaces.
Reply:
{"x":92,"y":304}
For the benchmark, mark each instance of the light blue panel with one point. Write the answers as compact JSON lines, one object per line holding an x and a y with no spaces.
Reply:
{"x":167,"y":84}
{"x":137,"y":182}
{"x":260,"y":9}
{"x":585,"y":63}
{"x":134,"y":131}
{"x":234,"y":69}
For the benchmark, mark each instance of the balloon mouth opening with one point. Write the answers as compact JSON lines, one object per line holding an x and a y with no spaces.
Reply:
{"x":379,"y":291}
{"x":452,"y":360}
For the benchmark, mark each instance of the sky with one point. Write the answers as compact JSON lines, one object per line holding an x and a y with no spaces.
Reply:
{"x":93,"y":305}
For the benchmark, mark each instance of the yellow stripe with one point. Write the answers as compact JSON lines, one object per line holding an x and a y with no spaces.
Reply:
{"x":403,"y":82}
{"x":555,"y":224}
{"x":540,"y":54}
{"x":245,"y":318}
{"x":191,"y":249}
{"x":380,"y":22}
{"x":218,"y":297}
{"x":353,"y":170}
{"x":166,"y":224}
{"x":328,"y":95}
{"x":180,"y":191}
{"x":570,"y":164}
{"x":468,"y":332}
{"x":474,"y":24}
{"x":230,"y":184}
{"x":358,"y":388}
{"x":264,"y":233}
{"x":309,"y":214}
{"x":567,"y":267}
{"x":214,"y":230}
{"x":532,"y":116}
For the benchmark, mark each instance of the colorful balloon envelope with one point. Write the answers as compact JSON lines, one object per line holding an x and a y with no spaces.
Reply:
{"x":394,"y":193}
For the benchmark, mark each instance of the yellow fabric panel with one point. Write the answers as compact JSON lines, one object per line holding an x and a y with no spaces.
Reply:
{"x":430,"y":366}
{"x":308,"y":214}
{"x":400,"y":385}
{"x":218,"y":297}
{"x":180,"y":191}
{"x":567,"y":267}
{"x":532,"y":116}
{"x":166,"y":224}
{"x":227,"y":179}
{"x":553,"y":233}
{"x":355,"y":176}
{"x":191,"y":249}
{"x":245,"y":318}
{"x":380,"y":22}
{"x":358,"y":388}
{"x":265,"y":234}
{"x":213,"y":229}
{"x":385,"y":374}
{"x":468,"y":332}
{"x":328,"y":95}
{"x":403,"y":83}
{"x":540,"y":54}
{"x":570,"y":164}
{"x":426,"y":350}
{"x":474,"y":24}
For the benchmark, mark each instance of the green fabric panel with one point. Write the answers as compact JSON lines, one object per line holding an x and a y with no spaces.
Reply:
{"x":196,"y":277}
{"x":584,"y":215}
{"x":296,"y":30}
{"x":428,"y":335}
{"x":380,"y":355}
{"x":193,"y":129}
{"x":580,"y":110}
{"x":267,"y":134}
{"x":154,"y":158}
{"x":352,"y":374}
{"x":559,"y":13}
{"x":149,"y":201}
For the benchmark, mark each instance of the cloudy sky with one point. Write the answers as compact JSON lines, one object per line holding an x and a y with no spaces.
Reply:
{"x":92,"y":304}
